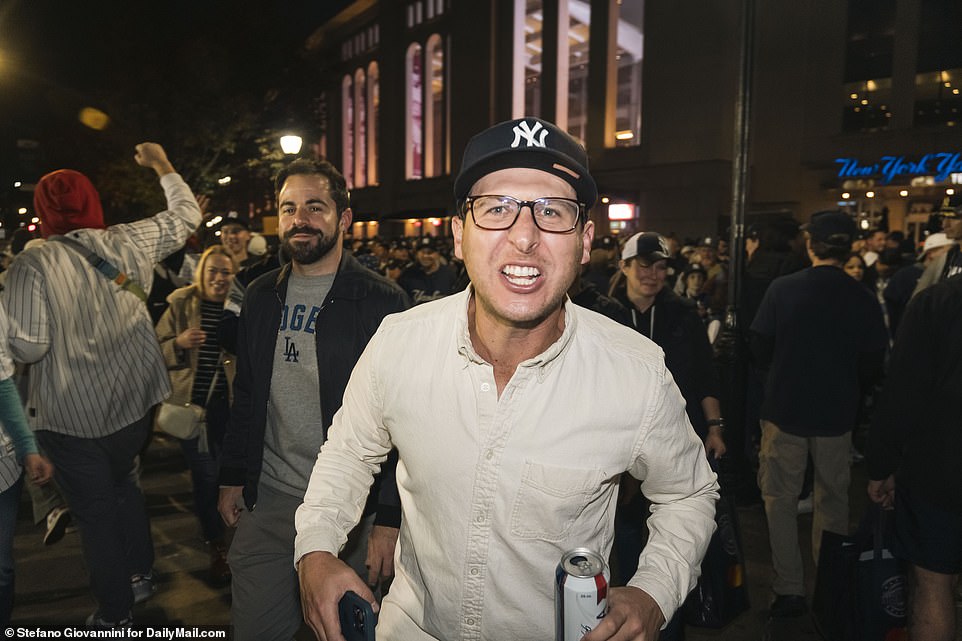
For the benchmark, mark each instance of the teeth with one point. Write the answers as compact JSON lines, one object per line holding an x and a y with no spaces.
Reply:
{"x":518,"y":270}
{"x":520,"y":275}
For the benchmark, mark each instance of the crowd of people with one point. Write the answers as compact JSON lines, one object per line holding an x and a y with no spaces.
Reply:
{"x":323,"y":462}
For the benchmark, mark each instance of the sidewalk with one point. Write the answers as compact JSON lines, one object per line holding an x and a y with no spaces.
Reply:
{"x":52,"y":583}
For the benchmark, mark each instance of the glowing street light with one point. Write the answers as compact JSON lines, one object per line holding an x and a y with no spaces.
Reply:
{"x":291,"y":144}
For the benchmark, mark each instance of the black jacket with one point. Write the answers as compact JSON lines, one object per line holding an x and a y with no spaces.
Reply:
{"x":916,"y":428}
{"x":672,"y":322}
{"x":359,"y":299}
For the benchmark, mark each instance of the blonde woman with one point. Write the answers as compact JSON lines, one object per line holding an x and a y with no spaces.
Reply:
{"x":201,"y":373}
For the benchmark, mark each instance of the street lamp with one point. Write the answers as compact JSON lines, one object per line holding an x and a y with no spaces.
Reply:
{"x":291,"y":144}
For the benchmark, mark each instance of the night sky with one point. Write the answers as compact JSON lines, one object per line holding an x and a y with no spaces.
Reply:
{"x":58,"y":56}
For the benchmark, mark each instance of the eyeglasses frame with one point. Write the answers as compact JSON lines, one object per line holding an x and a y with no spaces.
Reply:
{"x":468,"y":204}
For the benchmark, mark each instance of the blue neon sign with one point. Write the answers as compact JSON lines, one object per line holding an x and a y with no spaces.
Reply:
{"x":940,"y":165}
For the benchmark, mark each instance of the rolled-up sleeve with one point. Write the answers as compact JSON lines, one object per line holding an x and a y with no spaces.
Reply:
{"x":683,"y":490}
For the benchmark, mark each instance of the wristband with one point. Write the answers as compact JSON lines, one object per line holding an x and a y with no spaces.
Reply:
{"x":716,"y":422}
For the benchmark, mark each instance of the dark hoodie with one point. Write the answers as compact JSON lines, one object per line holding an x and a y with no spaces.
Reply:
{"x":673,"y":324}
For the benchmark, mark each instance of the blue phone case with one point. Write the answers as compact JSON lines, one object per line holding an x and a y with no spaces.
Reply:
{"x":357,"y":618}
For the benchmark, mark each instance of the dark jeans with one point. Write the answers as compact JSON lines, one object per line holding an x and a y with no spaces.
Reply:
{"x":99,"y":480}
{"x":203,"y":470}
{"x":203,"y":476}
{"x":9,"y":503}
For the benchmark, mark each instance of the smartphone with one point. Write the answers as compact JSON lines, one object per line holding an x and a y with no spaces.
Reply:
{"x":357,"y":618}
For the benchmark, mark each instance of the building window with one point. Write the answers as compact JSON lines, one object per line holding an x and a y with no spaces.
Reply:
{"x":531,"y":32}
{"x":373,"y":103}
{"x":868,"y":65}
{"x":628,"y":57}
{"x":573,"y":66}
{"x":347,"y":130}
{"x":939,"y":79}
{"x":360,"y":129}
{"x":434,"y":120}
{"x":414,"y":91}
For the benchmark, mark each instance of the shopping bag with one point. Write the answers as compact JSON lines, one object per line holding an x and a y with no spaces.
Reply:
{"x":721,"y":593}
{"x":860,"y":588}
{"x":833,"y":604}
{"x":882,"y":591}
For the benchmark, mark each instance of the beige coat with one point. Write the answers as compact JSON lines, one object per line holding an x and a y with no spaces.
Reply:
{"x":183,"y":313}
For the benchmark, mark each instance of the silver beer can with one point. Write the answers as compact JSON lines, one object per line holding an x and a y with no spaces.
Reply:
{"x":581,"y":593}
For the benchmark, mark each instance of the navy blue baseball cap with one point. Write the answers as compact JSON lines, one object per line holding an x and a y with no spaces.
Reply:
{"x":832,"y":227}
{"x":526,"y":143}
{"x":951,"y":206}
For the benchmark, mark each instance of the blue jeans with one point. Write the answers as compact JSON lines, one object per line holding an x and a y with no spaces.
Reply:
{"x":99,"y":479}
{"x":9,"y":503}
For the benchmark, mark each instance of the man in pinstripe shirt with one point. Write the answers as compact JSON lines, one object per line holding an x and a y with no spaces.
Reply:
{"x":96,"y":366}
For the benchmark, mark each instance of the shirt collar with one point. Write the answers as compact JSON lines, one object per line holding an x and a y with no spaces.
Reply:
{"x":542,"y":361}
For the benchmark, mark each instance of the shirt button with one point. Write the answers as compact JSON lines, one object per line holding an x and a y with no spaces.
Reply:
{"x":469,"y":621}
{"x":485,"y":387}
{"x":489,"y":454}
{"x":479,"y":519}
{"x":474,"y":571}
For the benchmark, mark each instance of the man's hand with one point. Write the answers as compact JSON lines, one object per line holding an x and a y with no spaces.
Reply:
{"x":230,"y":504}
{"x":324,"y":580}
{"x":632,"y":616}
{"x":190,"y":338}
{"x":152,"y":155}
{"x":380,"y":553}
{"x":38,"y":468}
{"x":714,"y":443}
{"x":203,"y":201}
{"x":883,"y":492}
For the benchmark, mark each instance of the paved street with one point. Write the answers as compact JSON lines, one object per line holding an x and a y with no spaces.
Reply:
{"x":52,"y":582}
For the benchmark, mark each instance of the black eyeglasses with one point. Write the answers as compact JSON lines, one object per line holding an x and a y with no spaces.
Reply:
{"x":496,"y":213}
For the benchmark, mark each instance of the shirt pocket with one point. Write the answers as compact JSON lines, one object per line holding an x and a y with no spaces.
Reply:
{"x":551,"y":499}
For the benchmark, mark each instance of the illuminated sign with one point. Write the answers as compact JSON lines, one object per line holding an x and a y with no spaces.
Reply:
{"x":621,"y":211}
{"x":942,"y":165}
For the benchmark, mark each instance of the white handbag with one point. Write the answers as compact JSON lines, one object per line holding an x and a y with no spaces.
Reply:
{"x":184,"y":420}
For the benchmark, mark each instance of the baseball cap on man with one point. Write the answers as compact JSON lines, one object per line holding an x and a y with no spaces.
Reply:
{"x":236,"y":218}
{"x":934,"y":241}
{"x":951,"y":206}
{"x":526,"y":143}
{"x":831,"y":227}
{"x":647,"y":245}
{"x":425,"y":242}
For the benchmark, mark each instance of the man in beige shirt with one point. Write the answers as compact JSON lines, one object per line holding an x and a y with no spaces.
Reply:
{"x":506,"y":467}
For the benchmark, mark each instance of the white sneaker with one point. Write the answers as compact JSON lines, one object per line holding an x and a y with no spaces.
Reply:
{"x":57,"y":521}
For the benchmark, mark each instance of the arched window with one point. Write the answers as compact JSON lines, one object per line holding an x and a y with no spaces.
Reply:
{"x":347,"y":130}
{"x":360,"y":129}
{"x":414,"y":150}
{"x":434,"y":115}
{"x":373,"y":101}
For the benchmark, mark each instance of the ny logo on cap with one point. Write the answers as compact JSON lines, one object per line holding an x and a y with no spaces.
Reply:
{"x":523,"y":130}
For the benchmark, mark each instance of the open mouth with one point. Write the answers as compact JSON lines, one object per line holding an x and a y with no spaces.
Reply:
{"x":521,"y":275}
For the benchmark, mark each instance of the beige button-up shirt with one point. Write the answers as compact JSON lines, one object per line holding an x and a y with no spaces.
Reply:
{"x":494,"y":490}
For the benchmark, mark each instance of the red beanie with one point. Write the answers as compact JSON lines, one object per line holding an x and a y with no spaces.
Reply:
{"x":66,"y":200}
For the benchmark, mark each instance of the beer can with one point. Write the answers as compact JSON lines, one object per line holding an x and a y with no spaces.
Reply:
{"x":581,"y":593}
